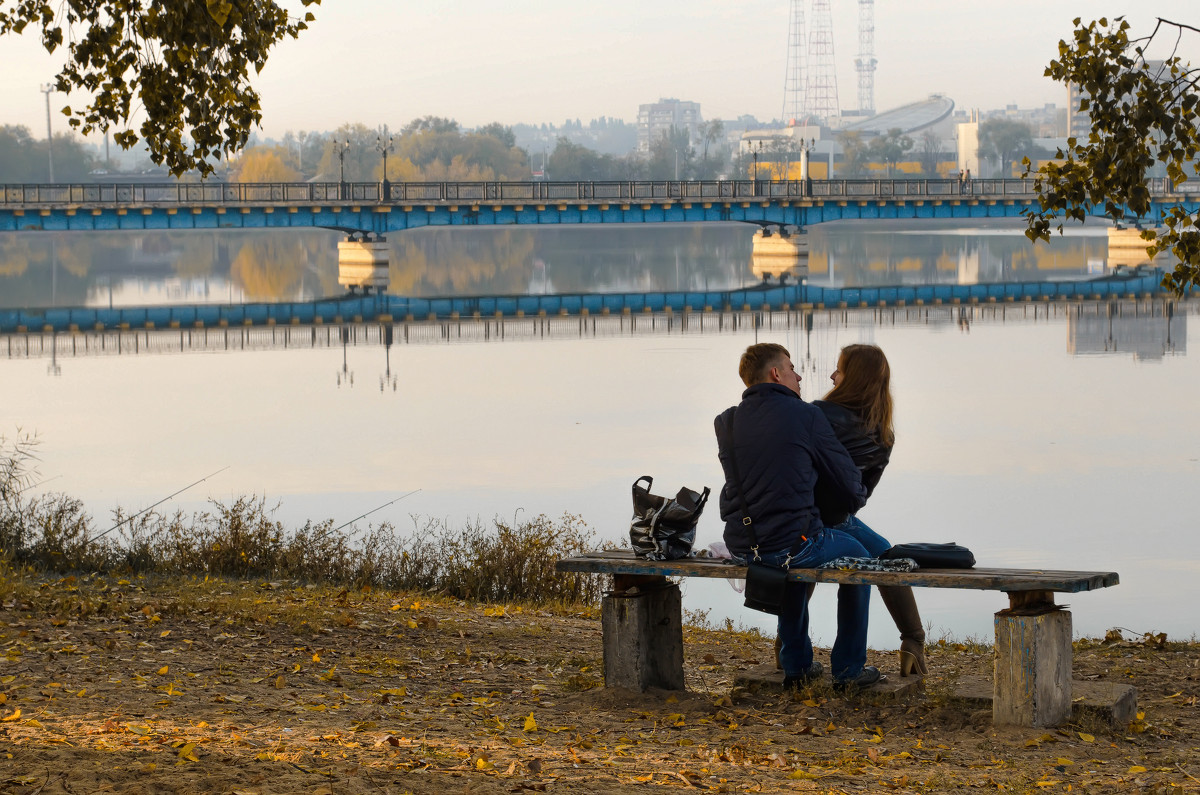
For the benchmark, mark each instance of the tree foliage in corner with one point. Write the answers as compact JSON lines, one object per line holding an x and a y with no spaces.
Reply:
{"x":1142,"y":113}
{"x":185,"y":64}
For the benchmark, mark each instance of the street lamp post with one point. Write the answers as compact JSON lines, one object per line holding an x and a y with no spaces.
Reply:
{"x":48,"y":90}
{"x":754,"y":150}
{"x":384,"y":147}
{"x":341,"y":147}
{"x":805,"y":148}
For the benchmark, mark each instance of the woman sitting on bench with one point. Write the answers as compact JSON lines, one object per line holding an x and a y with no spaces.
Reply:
{"x":859,"y":407}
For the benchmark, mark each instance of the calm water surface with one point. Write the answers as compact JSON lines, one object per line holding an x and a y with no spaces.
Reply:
{"x":1056,"y":436}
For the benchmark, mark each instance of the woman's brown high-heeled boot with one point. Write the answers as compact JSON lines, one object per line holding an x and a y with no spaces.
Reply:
{"x":902,"y":605}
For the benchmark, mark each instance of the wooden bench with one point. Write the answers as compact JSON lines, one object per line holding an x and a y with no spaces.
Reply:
{"x":641,"y":619}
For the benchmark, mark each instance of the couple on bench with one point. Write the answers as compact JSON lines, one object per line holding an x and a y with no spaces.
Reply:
{"x":803,"y":470}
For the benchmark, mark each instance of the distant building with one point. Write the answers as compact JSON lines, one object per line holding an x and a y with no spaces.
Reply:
{"x":657,"y":118}
{"x":968,"y":144}
{"x":1079,"y":123}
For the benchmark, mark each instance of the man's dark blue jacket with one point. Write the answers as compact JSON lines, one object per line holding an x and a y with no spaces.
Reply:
{"x":783,"y":445}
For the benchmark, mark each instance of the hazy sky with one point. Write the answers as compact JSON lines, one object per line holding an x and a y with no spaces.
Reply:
{"x":477,"y":61}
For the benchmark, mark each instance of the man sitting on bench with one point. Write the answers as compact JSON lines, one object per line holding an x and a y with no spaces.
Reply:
{"x":782,"y":445}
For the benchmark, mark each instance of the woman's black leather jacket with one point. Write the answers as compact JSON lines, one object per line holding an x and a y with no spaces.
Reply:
{"x":869,"y":454}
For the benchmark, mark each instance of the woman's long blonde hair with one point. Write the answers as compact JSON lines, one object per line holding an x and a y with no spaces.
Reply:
{"x":866,"y":389}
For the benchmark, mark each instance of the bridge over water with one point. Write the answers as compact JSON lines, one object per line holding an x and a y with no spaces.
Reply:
{"x":379,"y":208}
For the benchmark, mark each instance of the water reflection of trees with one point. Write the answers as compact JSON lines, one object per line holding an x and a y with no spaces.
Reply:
{"x":39,"y":269}
{"x":944,"y":254}
{"x":568,"y":259}
{"x":43,"y":268}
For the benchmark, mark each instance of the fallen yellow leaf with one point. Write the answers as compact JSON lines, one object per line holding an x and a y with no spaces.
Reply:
{"x":164,"y":633}
{"x":163,"y":671}
{"x":1136,"y":769}
{"x":280,"y":682}
{"x":316,"y":656}
{"x":1087,"y":738}
{"x":17,"y":714}
{"x":530,"y":723}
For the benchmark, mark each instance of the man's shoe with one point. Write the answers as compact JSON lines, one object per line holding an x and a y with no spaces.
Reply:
{"x":869,"y":676}
{"x":814,"y":672}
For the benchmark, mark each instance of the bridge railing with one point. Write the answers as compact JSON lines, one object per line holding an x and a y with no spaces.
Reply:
{"x":252,"y":193}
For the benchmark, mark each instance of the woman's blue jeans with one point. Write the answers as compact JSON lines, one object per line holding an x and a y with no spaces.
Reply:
{"x":849,"y":653}
{"x":874,"y":543}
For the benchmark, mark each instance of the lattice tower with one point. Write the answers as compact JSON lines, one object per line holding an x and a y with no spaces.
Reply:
{"x":865,"y":63}
{"x":793,"y":81}
{"x":822,"y":92}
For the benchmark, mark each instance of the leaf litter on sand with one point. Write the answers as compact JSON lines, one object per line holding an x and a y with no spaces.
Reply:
{"x":482,"y":697}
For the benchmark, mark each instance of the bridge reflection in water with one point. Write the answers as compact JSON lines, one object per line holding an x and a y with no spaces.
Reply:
{"x":1147,"y":328}
{"x":385,"y":308}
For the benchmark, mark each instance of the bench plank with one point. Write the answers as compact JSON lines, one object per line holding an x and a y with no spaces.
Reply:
{"x":1007,"y":580}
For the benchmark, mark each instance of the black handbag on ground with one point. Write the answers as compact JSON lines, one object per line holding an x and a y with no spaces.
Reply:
{"x":933,"y":556}
{"x":663,"y":528}
{"x":766,"y":585}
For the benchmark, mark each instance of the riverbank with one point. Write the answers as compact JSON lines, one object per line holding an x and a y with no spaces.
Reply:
{"x":251,"y":686}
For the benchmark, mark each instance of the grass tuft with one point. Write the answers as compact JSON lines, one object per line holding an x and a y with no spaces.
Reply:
{"x":497,"y":562}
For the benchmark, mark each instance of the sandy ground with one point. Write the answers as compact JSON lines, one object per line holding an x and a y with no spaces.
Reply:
{"x":137,"y":687}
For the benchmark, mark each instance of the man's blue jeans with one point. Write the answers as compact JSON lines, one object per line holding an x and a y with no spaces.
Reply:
{"x":849,"y":653}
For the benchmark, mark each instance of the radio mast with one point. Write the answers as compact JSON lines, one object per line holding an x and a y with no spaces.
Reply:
{"x":865,"y":63}
{"x":793,"y":83}
{"x":822,"y":94}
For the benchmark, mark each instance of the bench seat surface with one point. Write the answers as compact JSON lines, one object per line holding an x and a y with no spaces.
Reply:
{"x":1008,"y":580}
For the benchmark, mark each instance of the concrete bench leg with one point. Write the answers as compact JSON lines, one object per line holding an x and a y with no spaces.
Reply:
{"x":642,"y":620}
{"x":1032,"y":685}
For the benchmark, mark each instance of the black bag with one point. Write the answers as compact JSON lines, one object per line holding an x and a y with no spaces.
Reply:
{"x":663,"y":528}
{"x":766,"y":587}
{"x":934,"y":556}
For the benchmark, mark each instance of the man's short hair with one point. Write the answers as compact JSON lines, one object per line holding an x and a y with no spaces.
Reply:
{"x":758,"y":360}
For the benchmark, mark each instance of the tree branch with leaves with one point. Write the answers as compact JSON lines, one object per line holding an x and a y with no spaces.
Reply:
{"x":184,"y":64}
{"x":1143,"y":113}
